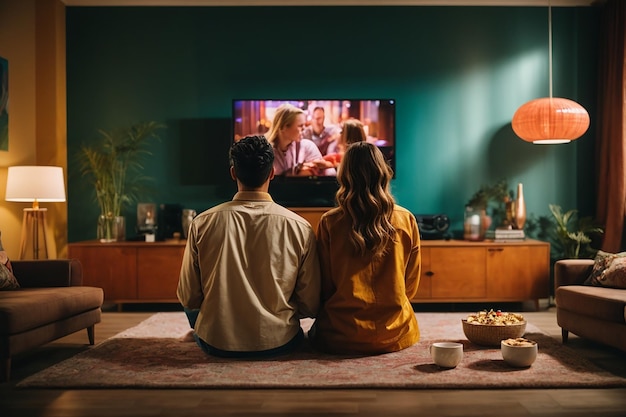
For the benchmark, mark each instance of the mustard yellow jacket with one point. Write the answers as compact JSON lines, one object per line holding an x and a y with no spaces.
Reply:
{"x":365,"y":305}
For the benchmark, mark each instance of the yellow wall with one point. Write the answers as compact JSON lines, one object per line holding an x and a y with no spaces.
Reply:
{"x":32,"y":39}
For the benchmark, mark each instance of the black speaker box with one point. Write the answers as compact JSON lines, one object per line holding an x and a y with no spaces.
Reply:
{"x":170,"y":218}
{"x":204,"y":146}
{"x":433,"y":226}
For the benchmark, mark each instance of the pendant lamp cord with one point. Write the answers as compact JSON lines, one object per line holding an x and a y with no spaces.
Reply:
{"x":550,"y":43}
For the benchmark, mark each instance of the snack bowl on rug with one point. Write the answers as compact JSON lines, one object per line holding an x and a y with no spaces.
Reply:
{"x":490,"y":328}
{"x":519,"y":352}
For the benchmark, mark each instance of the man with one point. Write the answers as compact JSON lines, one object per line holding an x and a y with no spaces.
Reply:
{"x":322,"y":135}
{"x":250,"y":269}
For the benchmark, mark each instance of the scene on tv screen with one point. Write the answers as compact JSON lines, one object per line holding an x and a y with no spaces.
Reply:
{"x":313,"y":147}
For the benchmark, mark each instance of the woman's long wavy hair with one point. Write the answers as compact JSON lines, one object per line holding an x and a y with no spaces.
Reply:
{"x":365,"y":199}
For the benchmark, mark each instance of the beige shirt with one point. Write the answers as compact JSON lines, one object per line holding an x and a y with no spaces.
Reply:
{"x":251,"y":267}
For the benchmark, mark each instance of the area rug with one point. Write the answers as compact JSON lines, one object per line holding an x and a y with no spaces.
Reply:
{"x":151,"y":355}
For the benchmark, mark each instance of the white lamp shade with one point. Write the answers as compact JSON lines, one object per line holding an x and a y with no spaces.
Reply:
{"x":35,"y":183}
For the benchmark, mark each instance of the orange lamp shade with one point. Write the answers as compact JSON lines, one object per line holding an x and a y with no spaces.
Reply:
{"x":550,"y":120}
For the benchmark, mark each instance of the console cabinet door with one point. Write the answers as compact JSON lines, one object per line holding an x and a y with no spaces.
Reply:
{"x":112,"y":268}
{"x":486,"y":271}
{"x":508,"y":276}
{"x":424,"y":291}
{"x":539,"y":271}
{"x":458,"y":273}
{"x":518,"y":272}
{"x":157,"y":278}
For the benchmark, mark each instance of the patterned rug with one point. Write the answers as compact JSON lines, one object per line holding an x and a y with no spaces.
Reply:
{"x":151,"y":356}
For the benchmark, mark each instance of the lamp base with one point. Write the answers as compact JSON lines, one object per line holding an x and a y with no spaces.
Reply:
{"x":34,"y":229}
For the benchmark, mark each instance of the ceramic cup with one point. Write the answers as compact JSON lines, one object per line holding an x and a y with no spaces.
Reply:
{"x":446,"y":354}
{"x":520,"y":352}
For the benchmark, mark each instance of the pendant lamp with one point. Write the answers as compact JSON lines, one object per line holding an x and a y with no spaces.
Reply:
{"x":550,"y":120}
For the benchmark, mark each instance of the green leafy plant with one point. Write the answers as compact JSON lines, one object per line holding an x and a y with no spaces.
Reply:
{"x":114,"y":165}
{"x":492,"y":197}
{"x":487,"y":194}
{"x":572,"y":236}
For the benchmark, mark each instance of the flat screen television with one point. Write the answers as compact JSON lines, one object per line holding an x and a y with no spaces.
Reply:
{"x":254,"y":117}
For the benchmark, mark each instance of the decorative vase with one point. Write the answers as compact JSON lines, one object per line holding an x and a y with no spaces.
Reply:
{"x":111,"y":228}
{"x":188,"y":215}
{"x":509,"y":207}
{"x":473,"y":224}
{"x":486,"y":224}
{"x":520,"y":208}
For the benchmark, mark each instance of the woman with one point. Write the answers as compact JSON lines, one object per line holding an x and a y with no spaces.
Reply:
{"x":369,"y":249}
{"x":293,"y":155}
{"x":352,"y":131}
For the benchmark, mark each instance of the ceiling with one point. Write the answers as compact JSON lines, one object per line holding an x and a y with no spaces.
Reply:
{"x":544,"y":3}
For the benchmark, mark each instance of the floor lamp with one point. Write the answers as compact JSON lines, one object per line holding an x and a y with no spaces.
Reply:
{"x":35,"y":184}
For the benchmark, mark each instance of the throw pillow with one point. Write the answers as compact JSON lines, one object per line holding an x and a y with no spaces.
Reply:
{"x":602,"y":262}
{"x":3,"y":255}
{"x":7,"y":279}
{"x":615,"y":275}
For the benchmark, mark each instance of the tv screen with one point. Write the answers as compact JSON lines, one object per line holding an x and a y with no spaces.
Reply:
{"x":323,"y":124}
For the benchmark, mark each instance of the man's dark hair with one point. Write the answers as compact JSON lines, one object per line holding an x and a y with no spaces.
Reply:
{"x":253,"y":159}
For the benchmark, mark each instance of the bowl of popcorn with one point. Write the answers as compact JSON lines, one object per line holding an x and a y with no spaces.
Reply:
{"x":519,"y":352}
{"x":489,"y":328}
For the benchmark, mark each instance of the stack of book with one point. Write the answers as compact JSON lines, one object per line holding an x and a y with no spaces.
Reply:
{"x":506,"y":235}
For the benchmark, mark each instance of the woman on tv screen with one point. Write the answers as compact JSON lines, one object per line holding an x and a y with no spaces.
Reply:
{"x":294,"y":155}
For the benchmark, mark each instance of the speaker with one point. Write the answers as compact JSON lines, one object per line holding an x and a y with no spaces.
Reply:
{"x":433,"y":226}
{"x":204,"y":146}
{"x":170,"y":218}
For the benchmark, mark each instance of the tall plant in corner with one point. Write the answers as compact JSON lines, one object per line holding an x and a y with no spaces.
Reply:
{"x":114,"y":166}
{"x":572,"y":235}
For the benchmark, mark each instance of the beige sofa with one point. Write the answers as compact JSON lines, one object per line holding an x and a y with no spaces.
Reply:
{"x":50,"y":303}
{"x":594,"y":313}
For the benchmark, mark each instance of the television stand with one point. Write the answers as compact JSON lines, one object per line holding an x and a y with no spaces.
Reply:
{"x":312,"y":214}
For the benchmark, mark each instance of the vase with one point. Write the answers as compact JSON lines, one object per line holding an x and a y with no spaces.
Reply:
{"x":111,"y":228}
{"x":473,"y":224}
{"x":520,"y":208}
{"x":188,"y":215}
{"x":509,"y":207}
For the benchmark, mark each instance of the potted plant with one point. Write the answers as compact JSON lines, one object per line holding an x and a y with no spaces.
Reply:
{"x":477,"y":219}
{"x":487,"y":195}
{"x":114,"y":167}
{"x":571,"y":236}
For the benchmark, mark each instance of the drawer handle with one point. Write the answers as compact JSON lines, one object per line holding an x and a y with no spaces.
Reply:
{"x":496,"y":249}
{"x":429,"y":273}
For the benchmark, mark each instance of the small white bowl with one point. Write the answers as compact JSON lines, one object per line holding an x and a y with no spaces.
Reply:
{"x":519,"y":352}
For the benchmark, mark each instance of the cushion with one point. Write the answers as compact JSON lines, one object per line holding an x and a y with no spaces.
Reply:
{"x":601,"y":303}
{"x":609,"y":270}
{"x":7,"y":279}
{"x":614,"y":276}
{"x":4,"y":259}
{"x":30,"y":308}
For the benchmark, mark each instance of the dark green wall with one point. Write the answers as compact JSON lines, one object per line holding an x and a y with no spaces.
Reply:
{"x":458,"y":75}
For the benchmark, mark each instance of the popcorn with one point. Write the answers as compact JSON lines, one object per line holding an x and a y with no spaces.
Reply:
{"x":495,"y":318}
{"x":519,"y":341}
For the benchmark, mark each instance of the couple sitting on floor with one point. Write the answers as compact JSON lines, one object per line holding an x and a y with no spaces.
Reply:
{"x":252,"y":268}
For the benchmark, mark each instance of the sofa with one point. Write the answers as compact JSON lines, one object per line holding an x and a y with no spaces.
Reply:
{"x":50,"y":303}
{"x":591,"y":312}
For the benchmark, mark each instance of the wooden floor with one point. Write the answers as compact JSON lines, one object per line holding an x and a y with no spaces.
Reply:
{"x":280,"y":402}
